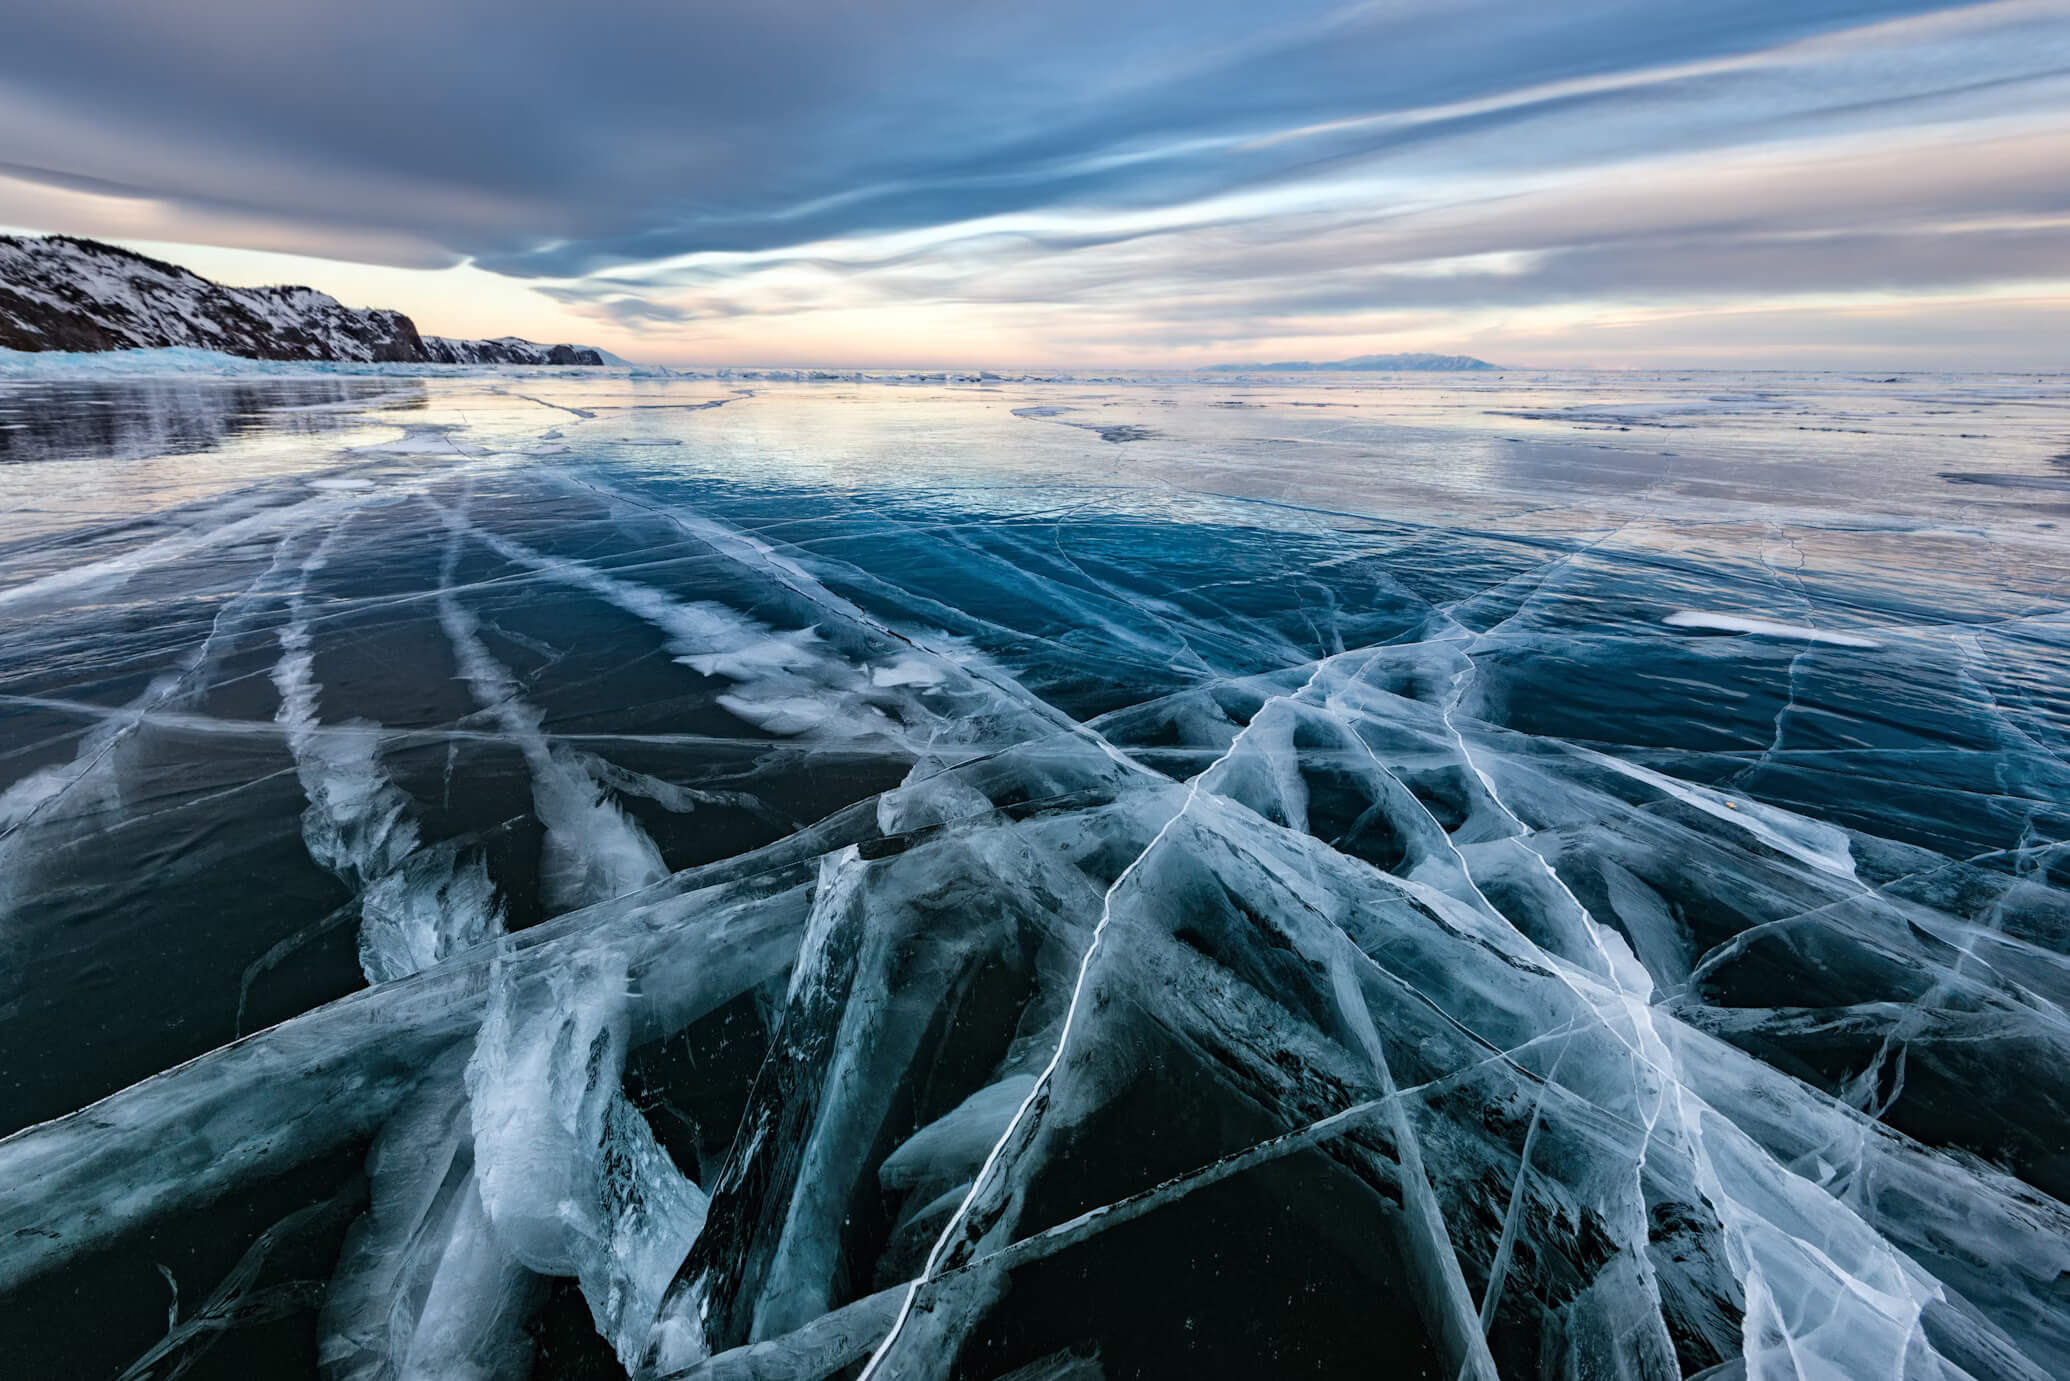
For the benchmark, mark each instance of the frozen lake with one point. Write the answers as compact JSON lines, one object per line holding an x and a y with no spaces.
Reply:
{"x":1465,"y":875}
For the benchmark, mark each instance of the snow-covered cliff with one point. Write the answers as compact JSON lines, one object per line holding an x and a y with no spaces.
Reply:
{"x":62,"y":293}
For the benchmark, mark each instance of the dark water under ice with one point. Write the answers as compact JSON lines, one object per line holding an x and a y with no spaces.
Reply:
{"x":1538,"y":876}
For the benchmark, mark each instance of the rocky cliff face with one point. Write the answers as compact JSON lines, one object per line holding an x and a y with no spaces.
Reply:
{"x":504,"y":350}
{"x":62,"y":293}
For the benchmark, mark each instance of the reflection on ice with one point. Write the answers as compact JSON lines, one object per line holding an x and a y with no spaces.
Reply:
{"x":867,"y":888}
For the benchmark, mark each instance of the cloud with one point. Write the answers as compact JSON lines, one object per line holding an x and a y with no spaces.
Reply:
{"x":554,"y":139}
{"x":660,"y":165}
{"x":1849,"y":215}
{"x":606,"y":303}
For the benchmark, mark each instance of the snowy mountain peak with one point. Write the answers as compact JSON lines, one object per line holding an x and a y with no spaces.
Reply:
{"x":58,"y":292}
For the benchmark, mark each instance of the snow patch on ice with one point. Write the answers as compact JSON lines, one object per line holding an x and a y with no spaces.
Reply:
{"x":1770,"y":628}
{"x":908,"y":671}
{"x":417,"y":440}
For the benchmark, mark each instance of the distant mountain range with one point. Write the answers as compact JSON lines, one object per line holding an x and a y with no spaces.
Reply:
{"x":1358,"y":362}
{"x":62,"y":293}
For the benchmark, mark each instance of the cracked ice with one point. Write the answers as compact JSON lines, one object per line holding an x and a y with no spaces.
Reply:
{"x":880,"y":883}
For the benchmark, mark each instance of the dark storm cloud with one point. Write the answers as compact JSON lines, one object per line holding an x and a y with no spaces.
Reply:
{"x":555,"y":139}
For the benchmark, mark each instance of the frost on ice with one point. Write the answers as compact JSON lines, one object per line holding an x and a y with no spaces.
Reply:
{"x":1070,"y":981}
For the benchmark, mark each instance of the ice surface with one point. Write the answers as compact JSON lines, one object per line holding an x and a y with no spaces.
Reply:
{"x":562,"y":878}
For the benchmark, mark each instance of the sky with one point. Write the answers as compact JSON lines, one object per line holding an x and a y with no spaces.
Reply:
{"x":1132,"y":183}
